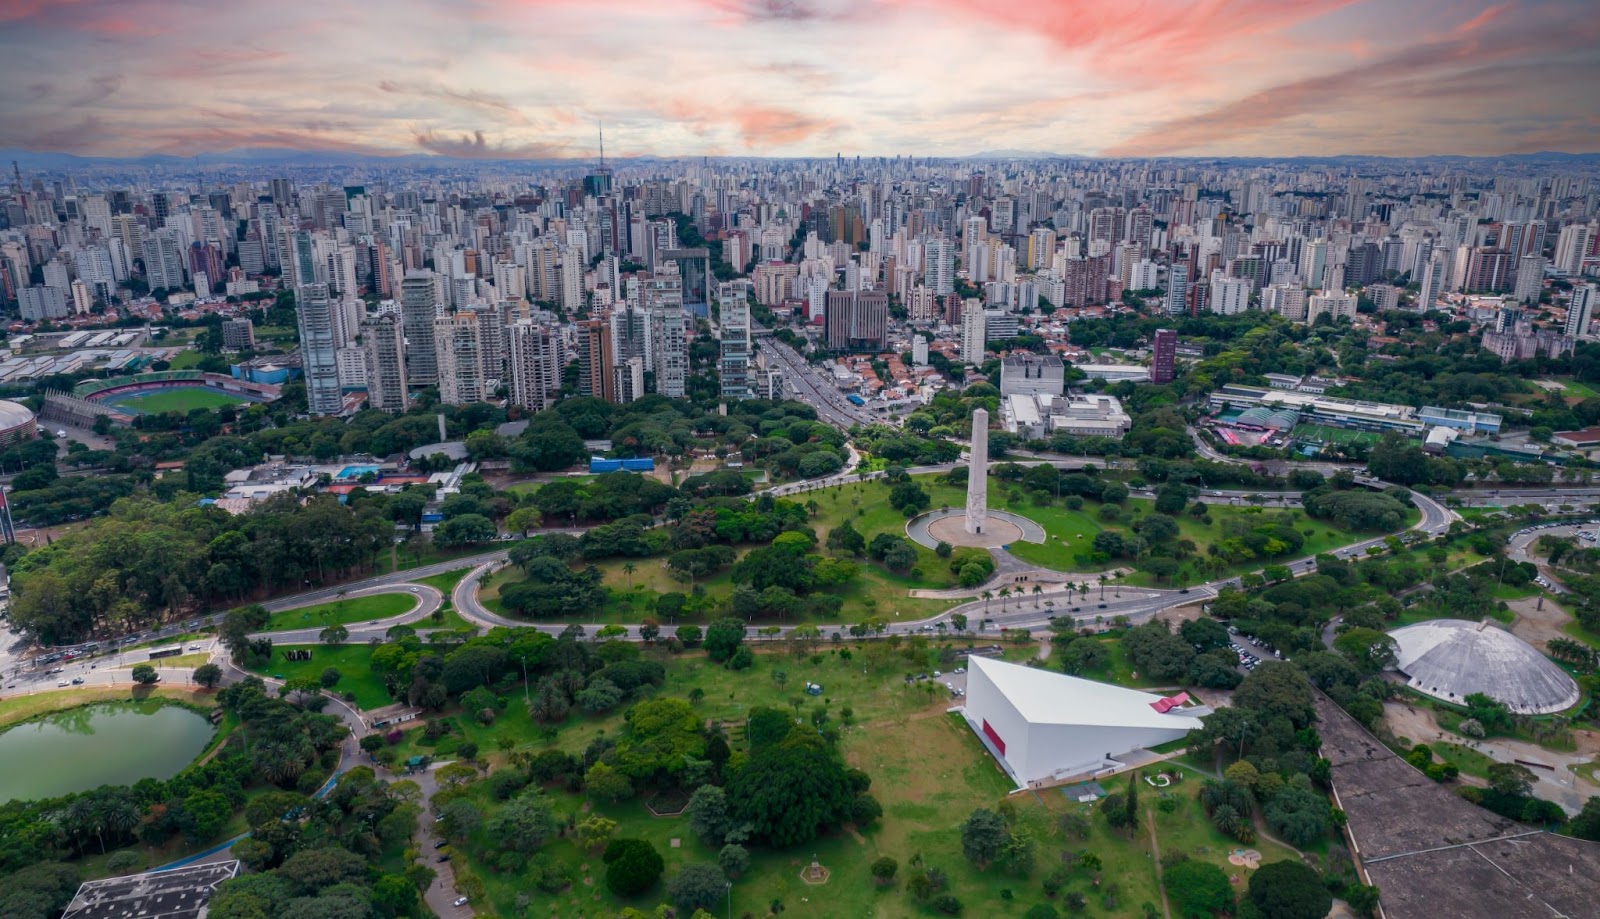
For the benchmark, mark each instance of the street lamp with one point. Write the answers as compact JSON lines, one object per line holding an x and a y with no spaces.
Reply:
{"x":729,"y":887}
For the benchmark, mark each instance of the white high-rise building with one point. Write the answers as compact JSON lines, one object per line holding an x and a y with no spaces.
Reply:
{"x":1177,"y":291}
{"x":419,"y":307}
{"x":939,"y":268}
{"x":1229,"y":296}
{"x":973,"y":328}
{"x":734,"y":351}
{"x":319,"y":348}
{"x":457,"y":341}
{"x":1314,"y":262}
{"x":1572,"y":245}
{"x":1434,"y":275}
{"x":1530,"y":279}
{"x":1144,"y":275}
{"x":672,"y":353}
{"x":1335,"y":305}
{"x":1581,"y":310}
{"x":384,"y":353}
{"x":1287,"y":300}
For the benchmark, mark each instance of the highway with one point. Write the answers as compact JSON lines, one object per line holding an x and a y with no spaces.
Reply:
{"x":807,"y":385}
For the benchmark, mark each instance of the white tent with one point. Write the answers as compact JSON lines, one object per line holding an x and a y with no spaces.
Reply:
{"x":1043,"y":725}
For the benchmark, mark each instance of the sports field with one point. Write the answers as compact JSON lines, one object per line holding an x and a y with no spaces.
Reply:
{"x":1333,"y":435}
{"x":181,"y":399}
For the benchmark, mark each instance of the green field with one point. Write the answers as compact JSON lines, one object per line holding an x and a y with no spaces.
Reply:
{"x":1578,"y":390}
{"x":927,"y":769}
{"x":182,"y":399}
{"x":354,"y":662}
{"x":343,"y":612}
{"x":1334,"y":435}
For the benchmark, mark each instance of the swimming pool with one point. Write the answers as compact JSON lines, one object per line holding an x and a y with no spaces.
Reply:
{"x":355,"y":472}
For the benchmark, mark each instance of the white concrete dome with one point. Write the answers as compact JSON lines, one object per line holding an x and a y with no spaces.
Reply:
{"x":1451,"y":659}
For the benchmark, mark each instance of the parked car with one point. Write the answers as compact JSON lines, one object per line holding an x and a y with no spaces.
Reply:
{"x":459,"y":901}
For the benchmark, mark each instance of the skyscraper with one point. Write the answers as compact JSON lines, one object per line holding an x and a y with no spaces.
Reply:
{"x":1530,"y":279}
{"x":459,"y":346}
{"x":419,"y":306}
{"x":385,"y":353}
{"x":973,"y":328}
{"x":672,"y":352}
{"x":535,"y":364}
{"x":1581,"y":310}
{"x":1163,"y":366}
{"x":319,"y":360}
{"x":733,"y":357}
{"x":595,"y":360}
{"x":940,"y":265}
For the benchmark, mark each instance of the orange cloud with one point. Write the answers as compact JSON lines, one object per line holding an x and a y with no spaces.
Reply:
{"x":762,"y":126}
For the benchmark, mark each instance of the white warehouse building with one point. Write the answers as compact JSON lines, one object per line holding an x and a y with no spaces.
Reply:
{"x":1044,"y":726}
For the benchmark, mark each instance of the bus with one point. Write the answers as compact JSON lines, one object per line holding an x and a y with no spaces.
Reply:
{"x":169,"y":651}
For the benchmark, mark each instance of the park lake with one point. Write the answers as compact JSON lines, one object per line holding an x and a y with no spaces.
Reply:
{"x":109,"y":743}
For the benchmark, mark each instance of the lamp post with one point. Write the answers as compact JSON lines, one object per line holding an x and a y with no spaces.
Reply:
{"x":729,"y":887}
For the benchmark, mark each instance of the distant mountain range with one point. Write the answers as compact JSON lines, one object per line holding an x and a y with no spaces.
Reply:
{"x":278,"y":156}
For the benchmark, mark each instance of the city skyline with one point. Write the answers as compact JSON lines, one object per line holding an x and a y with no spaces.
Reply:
{"x":497,"y":79}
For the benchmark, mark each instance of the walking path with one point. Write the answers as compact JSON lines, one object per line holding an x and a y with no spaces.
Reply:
{"x":1155,"y":846}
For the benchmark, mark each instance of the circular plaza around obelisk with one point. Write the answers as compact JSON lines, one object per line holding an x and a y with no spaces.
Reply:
{"x":976,"y":526}
{"x":940,"y":527}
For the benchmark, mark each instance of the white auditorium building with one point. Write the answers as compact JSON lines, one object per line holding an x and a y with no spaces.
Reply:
{"x":1044,"y":726}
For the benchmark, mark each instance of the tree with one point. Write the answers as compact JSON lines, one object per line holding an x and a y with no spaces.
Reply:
{"x":733,"y":859}
{"x":884,"y":869}
{"x":708,"y":813}
{"x":330,"y":677}
{"x":787,"y":791}
{"x":1289,"y":890}
{"x":723,"y":638}
{"x":207,"y":675}
{"x":632,"y":866}
{"x":204,"y":814}
{"x":464,"y":530}
{"x":1299,"y":815}
{"x":522,"y":824}
{"x":334,"y":635}
{"x":1198,"y":889}
{"x":983,"y":836}
{"x":522,"y":520}
{"x":606,"y":783}
{"x":1370,"y":650}
{"x":1587,"y":824}
{"x":593,"y":831}
{"x":1511,"y":779}
{"x":697,"y":886}
{"x":145,"y":674}
{"x":458,"y":818}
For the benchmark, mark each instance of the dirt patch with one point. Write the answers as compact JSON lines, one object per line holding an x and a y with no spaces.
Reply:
{"x":1537,"y":622}
{"x":1559,"y":784}
{"x":1177,"y":615}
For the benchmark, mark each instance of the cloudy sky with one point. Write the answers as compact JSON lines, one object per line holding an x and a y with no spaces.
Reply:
{"x":801,"y":77}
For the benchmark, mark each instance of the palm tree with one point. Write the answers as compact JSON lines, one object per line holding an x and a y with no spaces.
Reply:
{"x":1038,"y":590}
{"x":987,"y":596}
{"x":628,"y":569}
{"x":1102,"y":587}
{"x":1005,"y":592}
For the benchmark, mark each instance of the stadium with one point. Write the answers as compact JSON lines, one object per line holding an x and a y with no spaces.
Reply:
{"x":173,"y":391}
{"x":16,"y":423}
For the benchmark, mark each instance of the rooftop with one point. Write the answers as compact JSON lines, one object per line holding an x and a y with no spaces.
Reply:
{"x":1453,"y":658}
{"x":1047,"y":697}
{"x":181,"y":893}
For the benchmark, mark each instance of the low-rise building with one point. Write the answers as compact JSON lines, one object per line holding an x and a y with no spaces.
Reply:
{"x":1035,"y":416}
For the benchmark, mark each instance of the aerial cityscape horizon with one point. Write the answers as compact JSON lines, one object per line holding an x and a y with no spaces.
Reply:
{"x":1013,"y":459}
{"x":502,"y":79}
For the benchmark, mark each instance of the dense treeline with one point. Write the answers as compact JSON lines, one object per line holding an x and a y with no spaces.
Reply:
{"x":148,"y":561}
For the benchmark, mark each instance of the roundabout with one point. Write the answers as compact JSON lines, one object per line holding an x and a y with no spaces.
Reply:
{"x":1001,"y":528}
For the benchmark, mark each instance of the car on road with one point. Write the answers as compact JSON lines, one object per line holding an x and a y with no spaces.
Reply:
{"x":440,"y":844}
{"x":443,"y":858}
{"x":56,"y":670}
{"x":459,"y":901}
{"x":194,"y":647}
{"x":77,"y":681}
{"x":959,"y":670}
{"x":61,"y":683}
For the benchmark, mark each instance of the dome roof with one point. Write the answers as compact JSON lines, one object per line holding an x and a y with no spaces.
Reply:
{"x":13,"y":415}
{"x":1450,"y":659}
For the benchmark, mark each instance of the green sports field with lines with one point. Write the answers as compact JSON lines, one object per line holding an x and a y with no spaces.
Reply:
{"x":180,"y":399}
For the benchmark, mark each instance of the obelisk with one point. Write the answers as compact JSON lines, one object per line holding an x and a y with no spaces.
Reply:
{"x":978,"y":474}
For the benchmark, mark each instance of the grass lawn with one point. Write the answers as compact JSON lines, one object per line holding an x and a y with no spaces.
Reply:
{"x":1577,"y":389}
{"x":181,"y":660}
{"x":185,"y":360}
{"x":181,"y":399}
{"x":353,"y":661}
{"x":399,"y":558}
{"x":1576,"y":630}
{"x":21,"y":708}
{"x":1469,"y":761}
{"x":343,"y":612}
